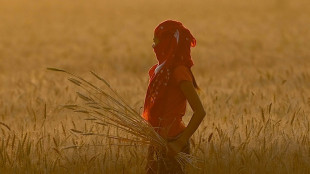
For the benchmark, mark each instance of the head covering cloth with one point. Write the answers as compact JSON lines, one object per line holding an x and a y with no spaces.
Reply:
{"x":174,"y":43}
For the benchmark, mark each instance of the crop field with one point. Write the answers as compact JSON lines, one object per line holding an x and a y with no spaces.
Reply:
{"x":252,"y":63}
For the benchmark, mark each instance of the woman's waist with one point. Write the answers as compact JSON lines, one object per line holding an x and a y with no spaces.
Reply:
{"x":171,"y":121}
{"x":171,"y":117}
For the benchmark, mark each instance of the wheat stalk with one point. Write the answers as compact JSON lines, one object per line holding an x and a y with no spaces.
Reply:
{"x":108,"y":108}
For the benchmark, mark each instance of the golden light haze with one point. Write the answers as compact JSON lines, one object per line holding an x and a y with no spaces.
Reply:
{"x":252,"y":63}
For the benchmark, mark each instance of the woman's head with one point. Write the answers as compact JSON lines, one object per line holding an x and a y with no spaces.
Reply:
{"x":172,"y":42}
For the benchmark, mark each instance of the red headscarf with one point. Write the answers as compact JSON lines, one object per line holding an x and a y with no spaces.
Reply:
{"x":174,"y":43}
{"x":173,"y":48}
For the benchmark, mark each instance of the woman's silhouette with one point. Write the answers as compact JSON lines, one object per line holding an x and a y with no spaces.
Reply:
{"x":171,"y":84}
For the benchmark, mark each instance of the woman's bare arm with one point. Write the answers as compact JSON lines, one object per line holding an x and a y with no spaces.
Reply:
{"x":192,"y":97}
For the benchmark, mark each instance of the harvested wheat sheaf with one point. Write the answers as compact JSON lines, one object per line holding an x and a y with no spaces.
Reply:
{"x":108,"y":108}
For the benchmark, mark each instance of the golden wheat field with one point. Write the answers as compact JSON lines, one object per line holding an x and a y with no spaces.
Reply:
{"x":252,"y":63}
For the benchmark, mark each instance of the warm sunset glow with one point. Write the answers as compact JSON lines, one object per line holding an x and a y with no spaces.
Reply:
{"x":251,"y":62}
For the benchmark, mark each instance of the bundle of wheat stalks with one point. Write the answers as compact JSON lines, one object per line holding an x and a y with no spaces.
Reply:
{"x":108,"y":108}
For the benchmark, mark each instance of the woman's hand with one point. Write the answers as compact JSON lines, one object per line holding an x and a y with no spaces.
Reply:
{"x":176,"y":146}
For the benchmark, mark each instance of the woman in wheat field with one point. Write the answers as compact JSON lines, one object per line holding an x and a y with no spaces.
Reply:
{"x":171,"y":84}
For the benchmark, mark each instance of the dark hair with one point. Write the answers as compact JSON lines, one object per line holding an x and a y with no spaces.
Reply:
{"x":194,"y":80}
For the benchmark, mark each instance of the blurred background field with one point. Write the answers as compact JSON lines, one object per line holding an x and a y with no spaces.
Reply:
{"x":252,"y":63}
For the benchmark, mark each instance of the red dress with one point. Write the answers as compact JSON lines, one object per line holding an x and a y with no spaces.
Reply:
{"x":166,"y":117}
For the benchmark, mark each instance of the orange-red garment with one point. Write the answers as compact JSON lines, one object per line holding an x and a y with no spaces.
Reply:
{"x":165,"y":103}
{"x":168,"y":114}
